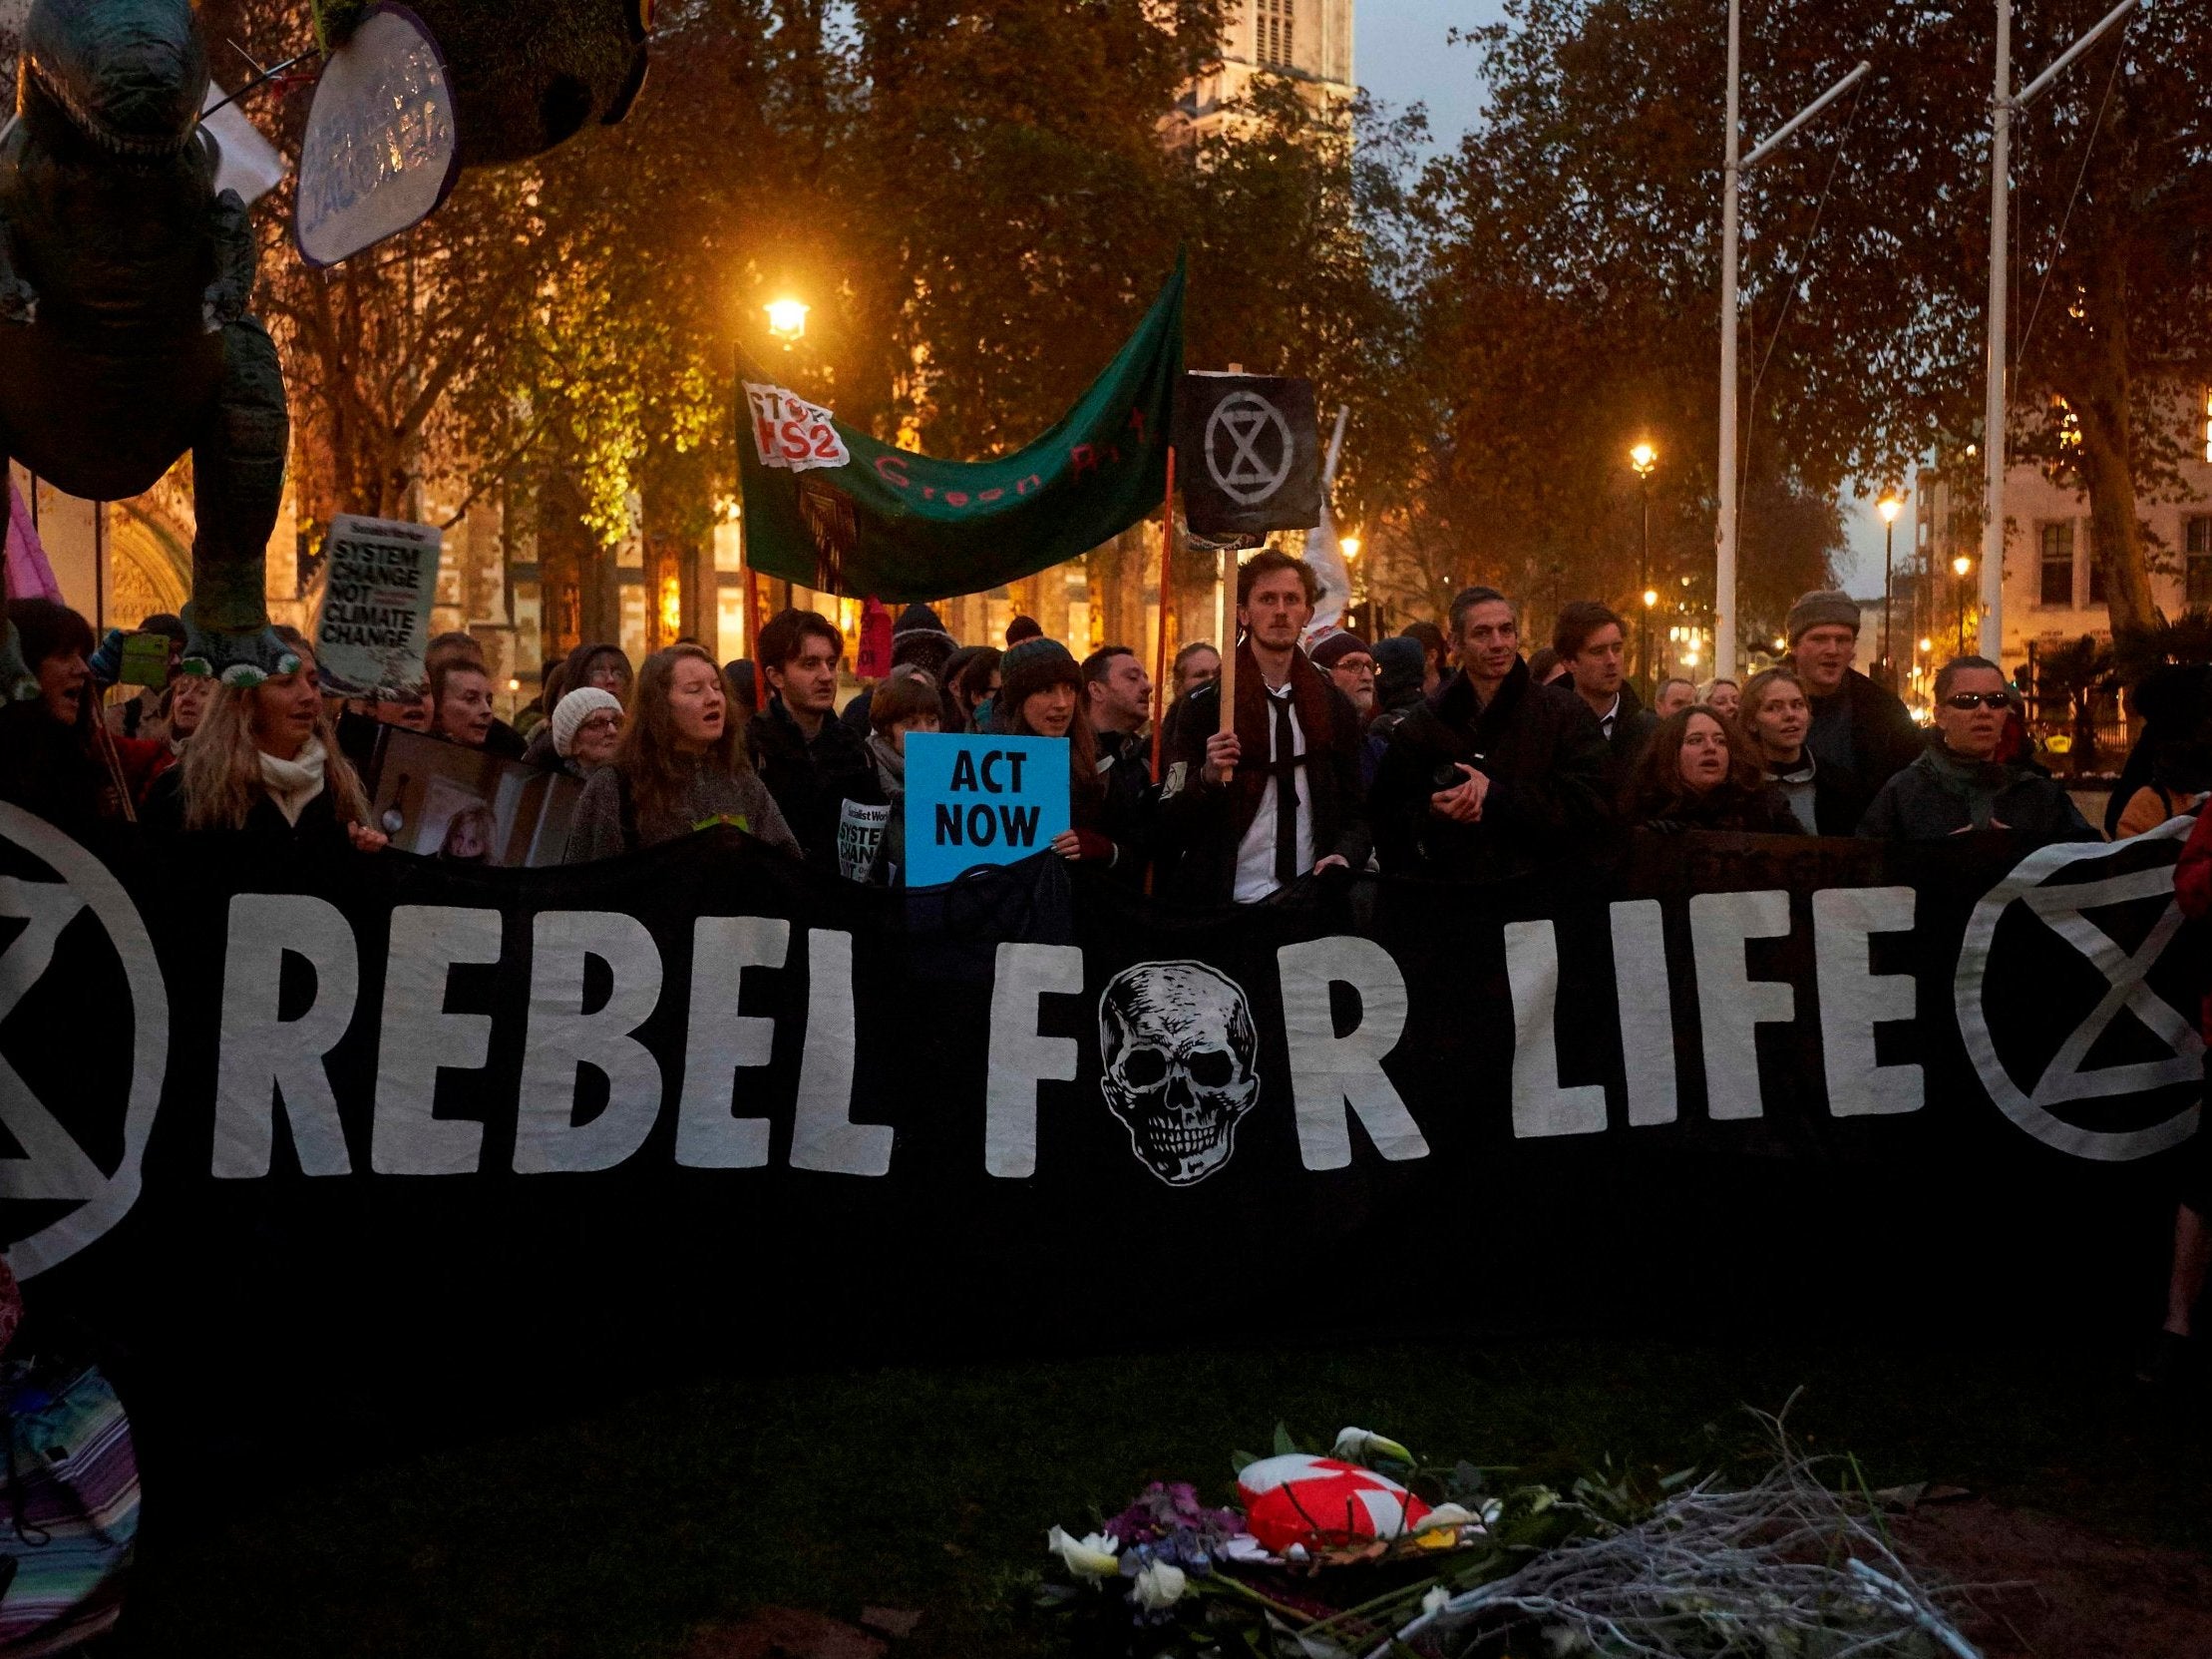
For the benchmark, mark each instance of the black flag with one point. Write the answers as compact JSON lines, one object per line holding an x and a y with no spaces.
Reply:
{"x":1248,"y":454}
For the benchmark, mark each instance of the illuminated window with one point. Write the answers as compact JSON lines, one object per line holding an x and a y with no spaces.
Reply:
{"x":2055,"y":587}
{"x":2199,"y":576}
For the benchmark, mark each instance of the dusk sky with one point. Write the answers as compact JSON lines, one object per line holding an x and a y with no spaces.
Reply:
{"x":1400,"y":56}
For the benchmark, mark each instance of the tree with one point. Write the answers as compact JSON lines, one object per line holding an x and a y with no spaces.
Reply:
{"x":1587,"y":203}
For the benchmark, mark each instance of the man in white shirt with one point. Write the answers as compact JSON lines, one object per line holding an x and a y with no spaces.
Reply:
{"x":1248,"y":810}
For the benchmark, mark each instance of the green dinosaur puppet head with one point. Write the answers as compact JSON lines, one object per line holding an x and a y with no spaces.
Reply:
{"x":128,"y":75}
{"x":527,"y":73}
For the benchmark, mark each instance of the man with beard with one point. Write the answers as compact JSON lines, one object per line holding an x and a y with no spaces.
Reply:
{"x":1346,"y":660}
{"x":1251,"y":805}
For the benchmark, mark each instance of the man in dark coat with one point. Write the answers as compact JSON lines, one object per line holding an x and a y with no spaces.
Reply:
{"x":1857,"y":726}
{"x":1593,"y":641}
{"x":822,"y":776}
{"x":1247,"y":811}
{"x":1117,"y":701}
{"x":1499,"y":774}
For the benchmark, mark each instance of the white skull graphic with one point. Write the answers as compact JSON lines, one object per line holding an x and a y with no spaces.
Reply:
{"x":1179,"y":1047}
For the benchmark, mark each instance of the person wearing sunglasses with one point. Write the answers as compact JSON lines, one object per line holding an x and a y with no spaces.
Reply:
{"x":1958,"y":784}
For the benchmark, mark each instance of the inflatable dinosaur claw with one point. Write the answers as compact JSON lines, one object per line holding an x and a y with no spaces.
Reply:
{"x":242,"y":659}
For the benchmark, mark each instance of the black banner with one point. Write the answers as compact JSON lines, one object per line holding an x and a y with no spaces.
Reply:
{"x":702,"y":1099}
{"x":1248,"y":454}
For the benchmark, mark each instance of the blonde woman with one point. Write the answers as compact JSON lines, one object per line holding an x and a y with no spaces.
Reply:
{"x":264,"y":762}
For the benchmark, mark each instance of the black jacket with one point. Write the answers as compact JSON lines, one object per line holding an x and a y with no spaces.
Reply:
{"x":1545,"y":755}
{"x":318,"y":831}
{"x":1632,"y":725}
{"x":1123,"y":813}
{"x":1862,"y":730}
{"x":1198,"y":826}
{"x":811,"y":781}
{"x":1940,"y":794}
{"x":1762,"y":811}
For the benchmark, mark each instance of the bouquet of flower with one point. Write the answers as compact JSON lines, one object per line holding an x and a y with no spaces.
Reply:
{"x":1366,"y":1553}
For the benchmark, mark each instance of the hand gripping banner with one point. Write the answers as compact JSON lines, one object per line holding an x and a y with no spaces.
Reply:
{"x":832,"y":509}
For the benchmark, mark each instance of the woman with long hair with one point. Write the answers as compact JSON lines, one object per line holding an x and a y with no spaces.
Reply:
{"x":57,"y":758}
{"x":264,"y":761}
{"x":1041,"y":695}
{"x":681,"y":766}
{"x":1700,"y":772}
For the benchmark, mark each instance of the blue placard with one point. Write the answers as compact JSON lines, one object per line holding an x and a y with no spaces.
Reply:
{"x":980,"y":800}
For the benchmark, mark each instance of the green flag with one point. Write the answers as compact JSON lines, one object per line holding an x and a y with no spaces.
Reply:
{"x":834,"y":510}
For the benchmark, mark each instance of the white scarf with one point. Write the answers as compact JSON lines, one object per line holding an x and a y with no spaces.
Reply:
{"x":293,"y":783}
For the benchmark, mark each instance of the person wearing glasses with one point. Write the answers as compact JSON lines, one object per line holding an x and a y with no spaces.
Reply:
{"x":586,"y":729}
{"x":1958,"y":784}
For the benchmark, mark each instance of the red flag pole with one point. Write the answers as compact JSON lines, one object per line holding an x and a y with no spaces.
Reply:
{"x":1160,"y":650}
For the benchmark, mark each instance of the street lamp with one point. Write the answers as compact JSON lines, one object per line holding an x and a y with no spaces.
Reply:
{"x":1959,"y":568}
{"x":1350,"y":545}
{"x":1643,"y":457}
{"x":1889,"y":509}
{"x":787,"y":320}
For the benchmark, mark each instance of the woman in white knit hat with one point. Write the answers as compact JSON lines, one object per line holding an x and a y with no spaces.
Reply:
{"x":586,"y":731}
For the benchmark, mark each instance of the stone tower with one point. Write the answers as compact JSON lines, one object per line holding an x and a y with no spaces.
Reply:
{"x":1307,"y":41}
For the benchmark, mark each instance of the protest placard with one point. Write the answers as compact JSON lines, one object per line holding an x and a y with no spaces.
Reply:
{"x":980,"y":799}
{"x":375,"y":620}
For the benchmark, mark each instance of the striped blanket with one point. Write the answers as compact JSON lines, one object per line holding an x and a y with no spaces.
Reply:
{"x":69,"y":1506}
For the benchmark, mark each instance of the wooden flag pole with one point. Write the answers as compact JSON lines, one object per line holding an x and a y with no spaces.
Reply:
{"x":1228,"y":656}
{"x":1159,"y":647}
{"x":1229,"y":646}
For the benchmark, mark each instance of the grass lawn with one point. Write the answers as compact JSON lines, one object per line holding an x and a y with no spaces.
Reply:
{"x":622,"y":1530}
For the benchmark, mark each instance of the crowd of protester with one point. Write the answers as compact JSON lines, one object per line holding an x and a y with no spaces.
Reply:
{"x":1441,"y":753}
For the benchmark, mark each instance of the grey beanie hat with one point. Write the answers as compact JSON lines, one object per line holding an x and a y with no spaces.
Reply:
{"x":576,"y":708}
{"x":1825,"y":608}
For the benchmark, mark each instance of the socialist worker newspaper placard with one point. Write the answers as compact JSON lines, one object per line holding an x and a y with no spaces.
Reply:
{"x":375,"y":619}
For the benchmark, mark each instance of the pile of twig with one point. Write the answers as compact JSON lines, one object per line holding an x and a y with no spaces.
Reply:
{"x":1785,"y":1566}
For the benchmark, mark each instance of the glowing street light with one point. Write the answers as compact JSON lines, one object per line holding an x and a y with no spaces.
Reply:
{"x":1642,"y":459}
{"x":1889,"y":507}
{"x":1350,"y":545}
{"x":787,"y":320}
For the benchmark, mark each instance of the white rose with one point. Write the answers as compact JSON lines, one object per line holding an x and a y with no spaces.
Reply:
{"x":1091,"y":1558}
{"x":1160,"y":1584}
{"x":1358,"y":1445}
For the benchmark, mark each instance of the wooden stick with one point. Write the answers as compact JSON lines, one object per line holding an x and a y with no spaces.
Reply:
{"x":1160,"y":650}
{"x":1228,"y":656}
{"x":1229,"y":647}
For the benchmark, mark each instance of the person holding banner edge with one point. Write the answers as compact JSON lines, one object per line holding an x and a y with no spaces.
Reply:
{"x":1247,"y":809}
{"x":1041,"y":695}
